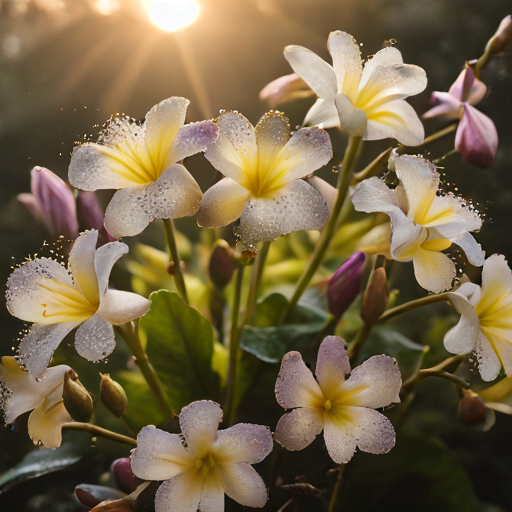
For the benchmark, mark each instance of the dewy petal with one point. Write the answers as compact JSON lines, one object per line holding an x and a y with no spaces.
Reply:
{"x":81,"y":264}
{"x":504,"y":350}
{"x":222,"y":204}
{"x":377,"y":383}
{"x":212,"y":494}
{"x":332,"y":364}
{"x":37,"y":347}
{"x":434,"y":270}
{"x":472,"y":249}
{"x":489,"y":364}
{"x":451,"y":215}
{"x":374,"y":433}
{"x":346,"y":61}
{"x":299,"y":207}
{"x":326,"y":190}
{"x":272,"y":134}
{"x":462,"y":338}
{"x":244,"y":442}
{"x":191,"y":139}
{"x":496,"y":278}
{"x":182,"y":492}
{"x":159,"y":455}
{"x":105,"y":258}
{"x":298,"y":428}
{"x":243,"y":484}
{"x":339,"y":441}
{"x":199,"y":422}
{"x":323,"y":113}
{"x":25,"y":297}
{"x":352,"y":120}
{"x":176,"y":194}
{"x":95,"y":339}
{"x":45,"y":424}
{"x":398,"y":120}
{"x":313,"y":70}
{"x":119,"y":307}
{"x":385,"y":57}
{"x":307,"y":150}
{"x":295,"y":384}
{"x":162,"y":124}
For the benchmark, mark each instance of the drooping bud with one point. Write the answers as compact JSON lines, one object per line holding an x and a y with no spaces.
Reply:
{"x":112,"y":396}
{"x":121,"y":470}
{"x":502,"y":38}
{"x":375,"y":297}
{"x":92,"y":495}
{"x":222,"y":264}
{"x":476,"y":138}
{"x":474,"y":412}
{"x":285,"y":88}
{"x":77,"y":400}
{"x":51,"y":203}
{"x":345,"y":284}
{"x":90,"y":216}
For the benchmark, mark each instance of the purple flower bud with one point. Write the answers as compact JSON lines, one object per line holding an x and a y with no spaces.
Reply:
{"x":476,"y":138}
{"x":90,"y":216}
{"x":121,"y":469}
{"x":92,"y":495}
{"x":51,"y":203}
{"x":503,"y":36}
{"x":285,"y":88}
{"x":345,"y":284}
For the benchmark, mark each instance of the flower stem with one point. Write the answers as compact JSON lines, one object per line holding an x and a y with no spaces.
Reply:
{"x":335,"y":496}
{"x":413,"y":304}
{"x":255,"y":283}
{"x":131,"y":337}
{"x":328,"y":231}
{"x":357,"y":343}
{"x":441,"y":133}
{"x":234,"y":343}
{"x":100,"y":432}
{"x":175,"y":256}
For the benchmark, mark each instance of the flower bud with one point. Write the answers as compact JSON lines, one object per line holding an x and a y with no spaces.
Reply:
{"x":51,"y":203}
{"x":77,"y":400}
{"x":474,"y":412}
{"x":90,"y":216}
{"x":345,"y":284}
{"x":375,"y":297}
{"x":476,"y":138}
{"x":222,"y":265}
{"x":502,"y":38}
{"x":112,"y":396}
{"x":285,"y":88}
{"x":121,"y":470}
{"x":92,"y":495}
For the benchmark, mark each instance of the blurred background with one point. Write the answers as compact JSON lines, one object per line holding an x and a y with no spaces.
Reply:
{"x":67,"y":65}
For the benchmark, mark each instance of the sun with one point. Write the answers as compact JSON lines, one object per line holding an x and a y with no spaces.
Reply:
{"x":171,"y":15}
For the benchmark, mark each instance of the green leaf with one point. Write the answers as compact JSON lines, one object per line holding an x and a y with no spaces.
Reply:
{"x":41,"y":462}
{"x":180,"y":347}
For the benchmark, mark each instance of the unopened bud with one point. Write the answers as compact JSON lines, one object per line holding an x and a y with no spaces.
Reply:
{"x":472,"y":409}
{"x":92,"y":495}
{"x":90,"y":216}
{"x":375,"y":297}
{"x":285,"y":88}
{"x":222,"y":265}
{"x":112,"y":396}
{"x":345,"y":284}
{"x":121,"y":470}
{"x":502,"y":38}
{"x":77,"y":400}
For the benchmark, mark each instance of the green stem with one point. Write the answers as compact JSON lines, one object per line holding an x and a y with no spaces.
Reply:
{"x":328,"y":231}
{"x":413,"y":304}
{"x":335,"y":496}
{"x":100,"y":432}
{"x":423,"y":374}
{"x":357,"y":343}
{"x":131,"y":337}
{"x":255,"y":283}
{"x":175,"y":256}
{"x":234,"y":343}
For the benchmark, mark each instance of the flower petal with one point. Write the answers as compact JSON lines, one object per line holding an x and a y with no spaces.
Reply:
{"x":25,"y":297}
{"x":298,"y":428}
{"x":395,"y":119}
{"x":332,"y":364}
{"x":45,"y":425}
{"x":222,"y":204}
{"x":182,"y":492}
{"x":323,"y":113}
{"x":374,"y":432}
{"x":313,"y":70}
{"x":340,"y":442}
{"x":434,"y":270}
{"x":243,"y":484}
{"x":445,"y":105}
{"x":489,"y":364}
{"x":244,"y":442}
{"x":352,"y":120}
{"x":504,"y":349}
{"x":496,"y":280}
{"x":199,"y":423}
{"x":326,"y":190}
{"x":377,"y":383}
{"x":212,"y":494}
{"x":37,"y":347}
{"x":272,"y":133}
{"x":105,"y":258}
{"x":118,"y":307}
{"x":346,"y":60}
{"x":159,"y":455}
{"x":95,"y":339}
{"x":462,"y":338}
{"x":81,"y":264}
{"x":191,"y":139}
{"x":175,"y":194}
{"x":472,"y":249}
{"x":295,"y":384}
{"x":299,"y":207}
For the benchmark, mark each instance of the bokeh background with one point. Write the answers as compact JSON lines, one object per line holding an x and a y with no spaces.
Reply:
{"x":67,"y":65}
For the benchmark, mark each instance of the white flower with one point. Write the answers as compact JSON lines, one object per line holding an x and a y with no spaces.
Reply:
{"x":58,"y":300}
{"x":423,"y":223}
{"x":485,"y":325}
{"x":21,"y":392}
{"x":366,"y":102}
{"x":198,"y":469}
{"x":140,"y":161}
{"x":263,"y":186}
{"x":340,"y":404}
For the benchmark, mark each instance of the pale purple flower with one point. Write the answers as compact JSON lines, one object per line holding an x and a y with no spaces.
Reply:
{"x":285,"y":88}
